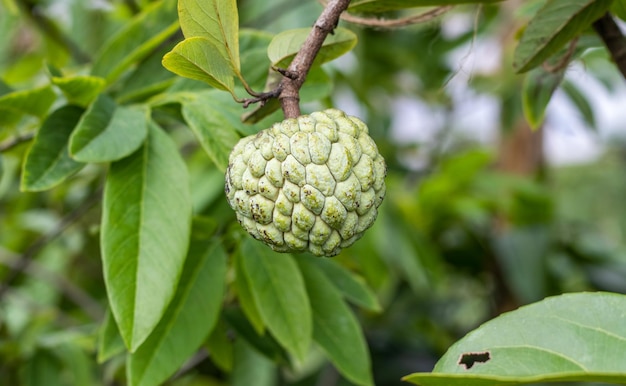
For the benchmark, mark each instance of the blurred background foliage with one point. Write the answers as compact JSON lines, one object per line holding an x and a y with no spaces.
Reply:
{"x":478,"y":220}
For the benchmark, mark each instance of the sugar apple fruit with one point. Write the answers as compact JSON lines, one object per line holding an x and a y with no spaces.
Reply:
{"x":311,"y":183}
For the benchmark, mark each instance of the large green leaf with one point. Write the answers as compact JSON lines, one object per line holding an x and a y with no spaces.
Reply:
{"x":212,"y":126}
{"x":351,"y":286}
{"x":48,"y":162}
{"x":35,"y":102}
{"x":145,"y":232}
{"x":555,"y":24}
{"x":198,"y":58}
{"x":188,"y":320}
{"x":135,"y":40}
{"x":80,"y":89}
{"x":215,"y":20}
{"x":537,"y":90}
{"x":108,"y":132}
{"x":573,"y":337}
{"x":377,"y":6}
{"x":284,"y":47}
{"x":335,"y":328}
{"x":280,"y":295}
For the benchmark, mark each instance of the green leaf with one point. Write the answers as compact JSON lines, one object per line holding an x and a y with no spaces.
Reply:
{"x":145,"y":233}
{"x":110,"y":341}
{"x":42,"y":369}
{"x":147,"y":79}
{"x":581,"y":102}
{"x":378,"y":6}
{"x":619,"y":9}
{"x":573,"y":337}
{"x":350,"y":285}
{"x":537,"y":90}
{"x":278,"y":290}
{"x":108,"y":132}
{"x":220,"y":346}
{"x":254,"y":61}
{"x":136,"y":40}
{"x":246,"y":300}
{"x":48,"y":162}
{"x":215,"y":20}
{"x":335,"y":328}
{"x":81,"y":89}
{"x":198,"y":58}
{"x":251,"y":368}
{"x":286,"y":45}
{"x":555,"y":24}
{"x":35,"y":102}
{"x":188,"y":320}
{"x":212,"y":127}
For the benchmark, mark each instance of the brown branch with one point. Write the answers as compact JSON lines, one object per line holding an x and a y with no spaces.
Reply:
{"x":15,"y":141}
{"x":613,"y":39}
{"x":301,"y":64}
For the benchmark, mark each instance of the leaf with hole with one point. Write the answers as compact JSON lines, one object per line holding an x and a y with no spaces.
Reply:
{"x":216,"y":21}
{"x":568,"y":338}
{"x":188,"y":320}
{"x":555,"y":24}
{"x":48,"y":162}
{"x":284,"y":46}
{"x":278,"y":290}
{"x":145,"y":232}
{"x":108,"y":132}
{"x":198,"y":58}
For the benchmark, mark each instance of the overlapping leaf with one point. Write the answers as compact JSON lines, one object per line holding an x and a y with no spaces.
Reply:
{"x":554,"y":25}
{"x":108,"y":132}
{"x":145,"y":232}
{"x":110,"y":342}
{"x":188,"y":320}
{"x":81,"y":89}
{"x":279,"y":292}
{"x":35,"y":102}
{"x":48,"y":162}
{"x":537,"y":90}
{"x":572,"y":337}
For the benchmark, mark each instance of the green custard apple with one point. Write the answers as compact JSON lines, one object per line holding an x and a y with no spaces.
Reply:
{"x":313,"y":183}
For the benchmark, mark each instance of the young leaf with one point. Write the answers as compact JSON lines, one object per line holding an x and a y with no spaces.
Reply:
{"x":198,"y":58}
{"x":555,"y":24}
{"x":110,"y":342}
{"x":212,"y":128}
{"x":379,"y":6}
{"x":278,"y":290}
{"x":251,"y":368}
{"x":572,"y":337}
{"x":145,"y":232}
{"x":108,"y":132}
{"x":351,"y":286}
{"x":188,"y":320}
{"x":35,"y":102}
{"x":286,"y":45}
{"x":135,"y":40}
{"x":537,"y":90}
{"x":48,"y":162}
{"x":215,"y":20}
{"x":81,"y":89}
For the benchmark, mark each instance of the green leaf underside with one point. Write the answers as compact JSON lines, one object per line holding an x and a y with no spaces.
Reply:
{"x":246,"y":300}
{"x":280,"y":296}
{"x":554,"y":25}
{"x":81,"y":89}
{"x":108,"y":132}
{"x":48,"y":162}
{"x":537,"y":90}
{"x":215,"y":20}
{"x":212,"y":126}
{"x":35,"y":102}
{"x":136,"y":40}
{"x":198,"y":58}
{"x":376,"y":6}
{"x":110,"y":342}
{"x":572,"y":337}
{"x":351,"y":286}
{"x":335,"y":328}
{"x":188,"y":320}
{"x":284,"y":47}
{"x":145,"y":232}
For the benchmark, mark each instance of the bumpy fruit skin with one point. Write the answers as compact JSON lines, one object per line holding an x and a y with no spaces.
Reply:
{"x":312,"y":183}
